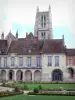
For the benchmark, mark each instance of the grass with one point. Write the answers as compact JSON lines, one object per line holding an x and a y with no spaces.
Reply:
{"x":26,"y":97}
{"x":51,"y":86}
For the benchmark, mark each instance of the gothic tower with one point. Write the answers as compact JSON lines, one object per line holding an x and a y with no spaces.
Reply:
{"x":43,"y":24}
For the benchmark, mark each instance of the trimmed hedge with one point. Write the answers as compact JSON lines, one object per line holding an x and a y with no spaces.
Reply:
{"x":50,"y":82}
{"x":5,"y":94}
{"x":52,"y":93}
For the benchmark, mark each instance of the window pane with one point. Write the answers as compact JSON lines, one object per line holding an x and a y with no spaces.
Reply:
{"x":5,"y":61}
{"x":49,"y":60}
{"x":38,"y":61}
{"x":56,"y":60}
{"x":20,"y":61}
{"x":69,"y":61}
{"x":12,"y":61}
{"x":28,"y":61}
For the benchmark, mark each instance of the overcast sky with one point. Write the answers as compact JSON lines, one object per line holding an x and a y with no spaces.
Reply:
{"x":20,"y":14}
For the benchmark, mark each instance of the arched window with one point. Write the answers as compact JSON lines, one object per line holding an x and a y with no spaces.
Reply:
{"x":42,"y":21}
{"x":57,"y":75}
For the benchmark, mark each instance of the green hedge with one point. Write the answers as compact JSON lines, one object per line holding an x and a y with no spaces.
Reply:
{"x":10,"y":94}
{"x":50,"y":82}
{"x":56,"y":94}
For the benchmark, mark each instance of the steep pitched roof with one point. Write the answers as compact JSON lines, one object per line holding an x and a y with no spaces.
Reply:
{"x":53,"y":46}
{"x":70,"y":52}
{"x":22,"y":46}
{"x":3,"y":47}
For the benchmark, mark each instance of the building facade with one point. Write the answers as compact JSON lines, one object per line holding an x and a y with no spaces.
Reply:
{"x":37,"y":57}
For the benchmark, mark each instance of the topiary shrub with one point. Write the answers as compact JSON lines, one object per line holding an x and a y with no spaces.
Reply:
{"x":17,"y":89}
{"x":40,"y":87}
{"x":26,"y":87}
{"x":36,"y":90}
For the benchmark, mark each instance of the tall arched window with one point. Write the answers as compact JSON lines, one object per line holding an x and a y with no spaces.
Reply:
{"x":42,"y":20}
{"x":57,"y":75}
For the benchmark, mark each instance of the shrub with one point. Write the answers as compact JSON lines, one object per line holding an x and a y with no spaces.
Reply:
{"x":36,"y":90}
{"x":25,"y":87}
{"x":40,"y":87}
{"x":17,"y":89}
{"x":3,"y":84}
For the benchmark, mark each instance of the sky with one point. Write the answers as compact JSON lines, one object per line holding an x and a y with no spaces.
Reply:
{"x":20,"y":15}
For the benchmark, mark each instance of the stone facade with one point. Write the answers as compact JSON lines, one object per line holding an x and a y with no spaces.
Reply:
{"x":37,"y":57}
{"x":43,"y":24}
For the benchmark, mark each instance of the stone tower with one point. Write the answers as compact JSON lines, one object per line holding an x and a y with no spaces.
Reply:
{"x":43,"y":24}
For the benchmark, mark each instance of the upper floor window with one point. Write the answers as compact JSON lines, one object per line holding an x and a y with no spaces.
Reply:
{"x":49,"y":60}
{"x":12,"y":61}
{"x":5,"y":61}
{"x":44,"y":21}
{"x":69,"y":61}
{"x":38,"y":61}
{"x":28,"y":61}
{"x":20,"y":61}
{"x":56,"y":60}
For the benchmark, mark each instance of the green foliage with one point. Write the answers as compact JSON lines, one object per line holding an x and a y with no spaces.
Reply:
{"x":53,"y":93}
{"x":40,"y":87}
{"x":26,"y":87}
{"x":36,"y":90}
{"x":17,"y":89}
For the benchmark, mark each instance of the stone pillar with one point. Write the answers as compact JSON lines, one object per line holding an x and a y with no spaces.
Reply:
{"x":23,"y":75}
{"x":66,"y":75}
{"x":14,"y":77}
{"x":32,"y":76}
{"x":7,"y":75}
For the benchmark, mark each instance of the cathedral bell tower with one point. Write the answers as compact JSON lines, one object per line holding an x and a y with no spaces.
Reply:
{"x":43,"y":24}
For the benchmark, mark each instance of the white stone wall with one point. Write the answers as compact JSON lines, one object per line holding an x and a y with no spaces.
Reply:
{"x":47,"y":70}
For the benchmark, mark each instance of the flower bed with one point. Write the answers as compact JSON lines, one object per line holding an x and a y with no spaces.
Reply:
{"x":7,"y":93}
{"x":53,"y":93}
{"x":46,"y":91}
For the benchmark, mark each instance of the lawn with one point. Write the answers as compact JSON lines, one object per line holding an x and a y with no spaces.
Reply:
{"x":26,"y":97}
{"x":51,"y":86}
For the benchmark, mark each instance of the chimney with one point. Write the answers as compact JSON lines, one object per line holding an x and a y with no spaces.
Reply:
{"x":63,"y":39}
{"x":17,"y":34}
{"x":2,"y":36}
